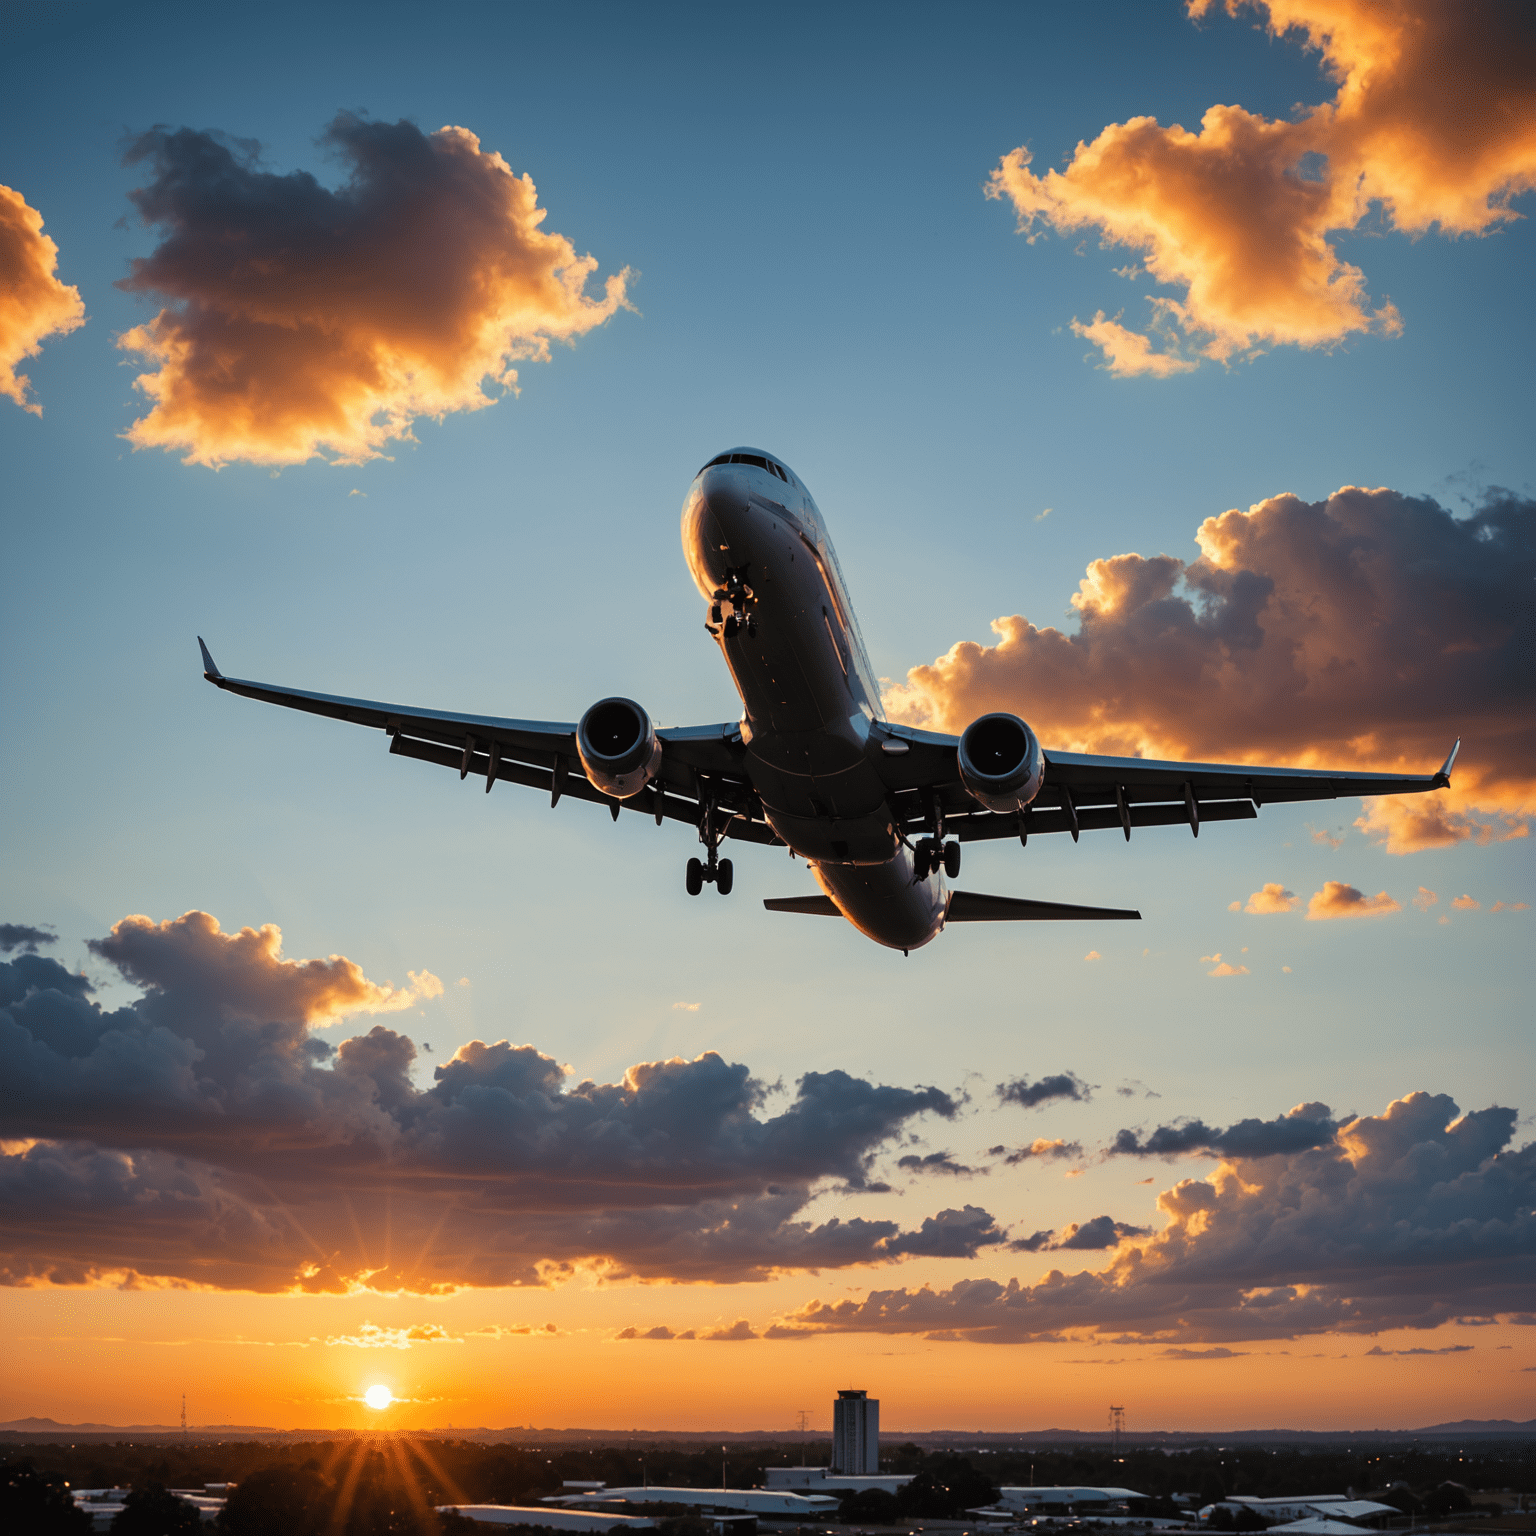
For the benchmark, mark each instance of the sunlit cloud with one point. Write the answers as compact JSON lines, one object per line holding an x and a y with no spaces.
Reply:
{"x":371,"y":1336}
{"x":1269,"y":898}
{"x":34,"y":304}
{"x":1465,"y":903}
{"x":1336,"y":899}
{"x":1432,"y":125}
{"x":305,"y":322}
{"x":1224,"y":967}
{"x":1510,"y":906}
{"x":1425,"y":899}
{"x":1041,"y":1147}
{"x":1299,"y":636}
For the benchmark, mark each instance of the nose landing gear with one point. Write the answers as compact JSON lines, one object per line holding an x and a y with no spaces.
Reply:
{"x":739,"y":596}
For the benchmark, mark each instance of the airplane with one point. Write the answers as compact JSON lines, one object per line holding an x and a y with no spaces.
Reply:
{"x":878,"y":810}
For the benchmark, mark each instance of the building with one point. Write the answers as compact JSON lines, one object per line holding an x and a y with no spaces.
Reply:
{"x":856,"y":1434}
{"x":1286,"y":1512}
{"x":1074,"y":1502}
{"x":824,"y":1480}
{"x":549,"y":1519}
{"x":765,"y":1504}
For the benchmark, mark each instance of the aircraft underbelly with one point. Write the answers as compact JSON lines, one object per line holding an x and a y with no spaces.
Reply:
{"x":886,"y":902}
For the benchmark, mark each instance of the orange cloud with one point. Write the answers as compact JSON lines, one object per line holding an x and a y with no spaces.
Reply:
{"x":1466,"y":904}
{"x":371,"y":1336}
{"x":306,"y":322}
{"x":1510,"y":906}
{"x":1270,"y":898}
{"x":1223,"y":967}
{"x":1336,"y":899}
{"x":1366,"y":631}
{"x":1425,"y":899}
{"x":34,"y":304}
{"x":1433,"y":122}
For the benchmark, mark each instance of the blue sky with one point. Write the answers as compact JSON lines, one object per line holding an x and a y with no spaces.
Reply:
{"x":816,"y":269}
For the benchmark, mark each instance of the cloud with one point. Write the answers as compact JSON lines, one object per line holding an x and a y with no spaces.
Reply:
{"x":1510,"y":906}
{"x":1093,"y":954}
{"x":371,"y":1336}
{"x":739,"y":1330}
{"x":1219,"y":1352}
{"x":1466,"y":904}
{"x":34,"y":304}
{"x":1223,"y":967}
{"x":25,"y":937}
{"x":1336,"y":899}
{"x":1408,"y":1219}
{"x":660,"y":1332}
{"x":1028,"y":1095}
{"x":687,"y":1007}
{"x":202,"y":1135}
{"x":1425,"y":899}
{"x":303,"y":321}
{"x":1101,"y":1232}
{"x":1446,"y":1349}
{"x":936,"y":1162}
{"x":1366,"y":631}
{"x":1040,"y":1147}
{"x":1299,"y":1130}
{"x":1433,"y":123}
{"x":1326,"y":838}
{"x":1270,"y":898}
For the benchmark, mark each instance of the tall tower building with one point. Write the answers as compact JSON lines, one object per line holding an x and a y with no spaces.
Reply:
{"x":856,"y":1434}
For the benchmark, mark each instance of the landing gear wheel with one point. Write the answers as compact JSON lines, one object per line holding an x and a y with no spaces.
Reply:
{"x":732,"y":624}
{"x":751,"y":629}
{"x":952,"y":860}
{"x":695,"y":877}
{"x":714,"y":613}
{"x":723,"y":876}
{"x":922,"y":859}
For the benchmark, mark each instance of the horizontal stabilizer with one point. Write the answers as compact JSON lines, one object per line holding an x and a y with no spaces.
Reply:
{"x":813,"y":906}
{"x":973,"y":907}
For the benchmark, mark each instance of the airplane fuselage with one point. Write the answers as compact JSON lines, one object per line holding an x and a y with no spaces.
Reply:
{"x":811,"y":703}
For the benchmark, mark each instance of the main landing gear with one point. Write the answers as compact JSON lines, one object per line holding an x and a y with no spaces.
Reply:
{"x":738,"y":594}
{"x":931,"y":855}
{"x":713,"y":868}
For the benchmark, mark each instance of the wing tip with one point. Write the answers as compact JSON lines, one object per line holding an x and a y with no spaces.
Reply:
{"x":210,"y":668}
{"x":1443,"y":777}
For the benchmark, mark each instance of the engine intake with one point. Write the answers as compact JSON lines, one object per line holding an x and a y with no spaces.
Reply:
{"x":1001,"y":764}
{"x":618,"y":748}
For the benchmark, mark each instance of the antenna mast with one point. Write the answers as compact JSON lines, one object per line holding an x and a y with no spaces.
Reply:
{"x":183,"y":1413}
{"x":1117,"y":1427}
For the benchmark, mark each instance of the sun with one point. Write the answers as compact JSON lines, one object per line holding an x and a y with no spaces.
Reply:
{"x":378,"y":1397}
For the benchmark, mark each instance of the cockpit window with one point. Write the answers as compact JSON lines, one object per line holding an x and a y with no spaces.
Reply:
{"x":755,"y":459}
{"x":750,"y":458}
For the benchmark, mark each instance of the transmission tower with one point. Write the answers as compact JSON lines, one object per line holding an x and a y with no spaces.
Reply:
{"x":183,"y":1413}
{"x":804,"y":1416}
{"x":1116,"y":1426}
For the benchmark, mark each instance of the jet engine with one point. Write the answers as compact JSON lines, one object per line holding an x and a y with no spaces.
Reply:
{"x":1001,"y":764}
{"x":618,"y":747}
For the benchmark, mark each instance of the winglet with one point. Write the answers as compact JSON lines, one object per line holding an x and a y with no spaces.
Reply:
{"x":1444,"y":775}
{"x":212,"y":673}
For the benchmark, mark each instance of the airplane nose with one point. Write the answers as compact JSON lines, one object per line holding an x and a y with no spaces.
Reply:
{"x":725,"y":495}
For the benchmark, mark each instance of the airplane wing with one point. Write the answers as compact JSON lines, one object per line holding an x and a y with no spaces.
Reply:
{"x":968,"y":907}
{"x":696,"y":762}
{"x":1085,"y":793}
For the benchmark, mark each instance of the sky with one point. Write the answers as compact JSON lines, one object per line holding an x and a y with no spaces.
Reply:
{"x":1163,"y":374}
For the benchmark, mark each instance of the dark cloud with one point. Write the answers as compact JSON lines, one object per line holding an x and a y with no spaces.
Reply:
{"x":200,"y":1134}
{"x":1408,"y":1219}
{"x":1366,"y":631}
{"x":1101,"y":1232}
{"x":1219,"y":1352}
{"x":1040,"y":1147}
{"x":936,"y":1162}
{"x":1028,"y":1095}
{"x":1308,"y":1125}
{"x":24,"y":937}
{"x":1445,"y":1349}
{"x":951,"y":1234}
{"x":662,"y":1332}
{"x":305,"y":321}
{"x":1033,"y":1243}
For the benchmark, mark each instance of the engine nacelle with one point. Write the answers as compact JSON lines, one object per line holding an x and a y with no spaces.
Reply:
{"x":1001,"y":764}
{"x":618,"y":748}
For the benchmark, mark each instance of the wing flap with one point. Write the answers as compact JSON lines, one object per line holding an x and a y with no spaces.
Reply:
{"x":979,"y":825}
{"x":974,"y":907}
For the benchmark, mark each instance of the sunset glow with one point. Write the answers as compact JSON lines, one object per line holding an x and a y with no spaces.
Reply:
{"x":378,"y":1397}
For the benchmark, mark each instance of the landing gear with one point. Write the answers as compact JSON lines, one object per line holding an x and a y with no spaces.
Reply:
{"x":716,"y":871}
{"x":931,"y":855}
{"x":739,"y":595}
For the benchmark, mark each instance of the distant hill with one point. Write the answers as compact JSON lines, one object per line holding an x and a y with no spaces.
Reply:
{"x":1172,"y":1440}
